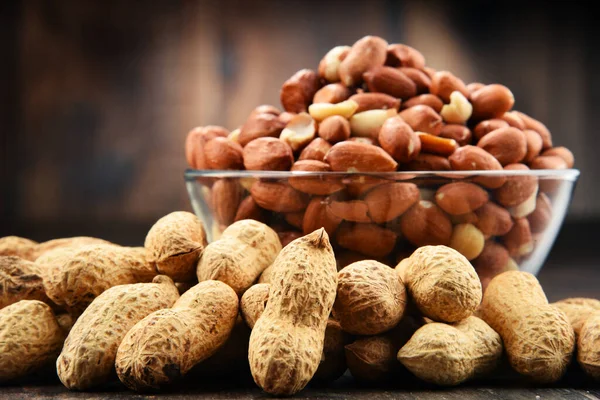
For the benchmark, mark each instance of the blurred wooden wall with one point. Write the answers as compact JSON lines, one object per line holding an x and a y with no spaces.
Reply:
{"x":100,"y":95}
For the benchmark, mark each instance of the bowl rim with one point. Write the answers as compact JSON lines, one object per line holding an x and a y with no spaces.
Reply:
{"x":562,"y":174}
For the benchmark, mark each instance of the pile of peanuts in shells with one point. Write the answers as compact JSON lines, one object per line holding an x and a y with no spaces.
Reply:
{"x":376,"y":108}
{"x":181,"y":309}
{"x":295,"y":307}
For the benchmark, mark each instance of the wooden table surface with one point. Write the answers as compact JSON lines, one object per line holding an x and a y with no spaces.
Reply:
{"x":343,"y":388}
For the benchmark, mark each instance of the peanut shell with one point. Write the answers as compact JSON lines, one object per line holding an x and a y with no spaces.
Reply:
{"x":30,"y":338}
{"x":588,"y":347}
{"x":174,"y":243}
{"x":88,"y":356}
{"x":90,"y":270}
{"x":538,"y":337}
{"x":20,"y":280}
{"x":443,"y":283}
{"x":244,"y":250}
{"x":287,"y":341}
{"x":448,"y":355}
{"x":166,"y":344}
{"x":370,"y":298}
{"x":20,"y":247}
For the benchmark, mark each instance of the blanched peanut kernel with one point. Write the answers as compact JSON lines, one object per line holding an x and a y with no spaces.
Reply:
{"x":458,"y":111}
{"x":299,"y":132}
{"x":320,"y":111}
{"x":368,"y":123}
{"x":328,"y":67}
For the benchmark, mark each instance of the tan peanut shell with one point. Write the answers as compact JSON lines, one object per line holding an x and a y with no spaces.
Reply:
{"x":246,"y":248}
{"x":451,"y":354}
{"x":174,"y":243}
{"x":18,"y":246}
{"x":20,"y":280}
{"x":30,"y":338}
{"x":69,"y":242}
{"x":373,"y":359}
{"x":581,"y":301}
{"x":578,"y":310}
{"x":54,"y":259}
{"x":588,"y":347}
{"x":370,"y":298}
{"x":266,"y":275}
{"x":166,"y":344}
{"x":253,"y":303}
{"x":88,"y":355}
{"x":287,"y":341}
{"x":442,"y":283}
{"x":90,"y":270}
{"x":333,"y":362}
{"x":50,"y":264}
{"x":538,"y":337}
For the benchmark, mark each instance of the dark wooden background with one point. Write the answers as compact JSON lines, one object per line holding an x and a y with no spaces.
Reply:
{"x":96,"y":97}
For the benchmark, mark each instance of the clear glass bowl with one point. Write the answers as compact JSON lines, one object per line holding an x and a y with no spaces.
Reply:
{"x":227,"y":189}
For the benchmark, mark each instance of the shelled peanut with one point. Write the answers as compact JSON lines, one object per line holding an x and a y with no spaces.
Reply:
{"x":374,"y":108}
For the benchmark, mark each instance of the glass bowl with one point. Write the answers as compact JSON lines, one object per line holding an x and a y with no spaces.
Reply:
{"x":371,"y":216}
